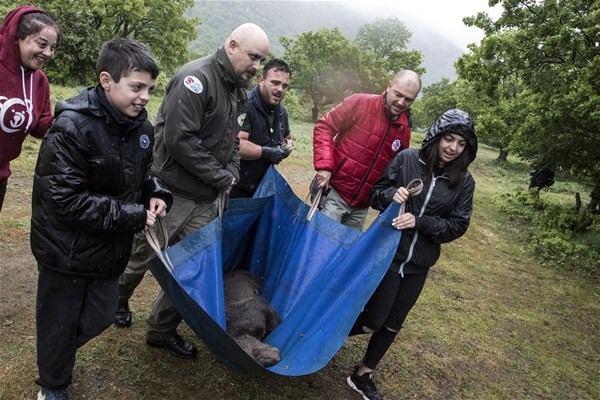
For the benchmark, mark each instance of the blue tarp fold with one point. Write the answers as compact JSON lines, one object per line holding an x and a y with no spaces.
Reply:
{"x":317,"y":275}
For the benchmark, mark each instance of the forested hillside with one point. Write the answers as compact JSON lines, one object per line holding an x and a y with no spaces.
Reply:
{"x":282,"y":18}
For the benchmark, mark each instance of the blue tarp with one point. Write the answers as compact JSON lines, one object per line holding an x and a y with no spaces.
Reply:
{"x":318,"y":275}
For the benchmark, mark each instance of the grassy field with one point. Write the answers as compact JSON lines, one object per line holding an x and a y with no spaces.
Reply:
{"x":492,"y":323}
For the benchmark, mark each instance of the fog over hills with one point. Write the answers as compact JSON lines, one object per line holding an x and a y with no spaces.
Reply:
{"x":286,"y":18}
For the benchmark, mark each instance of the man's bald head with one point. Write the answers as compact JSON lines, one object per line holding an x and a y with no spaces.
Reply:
{"x":408,"y":78}
{"x":247,"y":46}
{"x":402,"y":91}
{"x":248,"y":32}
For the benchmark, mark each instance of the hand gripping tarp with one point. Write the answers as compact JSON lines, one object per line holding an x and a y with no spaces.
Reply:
{"x":318,"y":275}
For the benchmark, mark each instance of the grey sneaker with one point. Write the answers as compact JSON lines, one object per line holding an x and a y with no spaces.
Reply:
{"x":49,"y":394}
{"x":364,"y":385}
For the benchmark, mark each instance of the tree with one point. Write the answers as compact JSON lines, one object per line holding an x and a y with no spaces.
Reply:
{"x":5,"y":7}
{"x":492,"y":93}
{"x":490,"y":90}
{"x":85,"y":25}
{"x":328,"y":67}
{"x":551,"y":51}
{"x":388,"y":38}
{"x":435,"y":99}
{"x":493,"y":115}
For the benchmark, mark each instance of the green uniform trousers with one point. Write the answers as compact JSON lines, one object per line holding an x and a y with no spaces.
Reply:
{"x":185,"y":217}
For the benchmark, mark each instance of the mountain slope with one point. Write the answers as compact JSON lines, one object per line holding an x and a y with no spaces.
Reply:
{"x":284,"y":18}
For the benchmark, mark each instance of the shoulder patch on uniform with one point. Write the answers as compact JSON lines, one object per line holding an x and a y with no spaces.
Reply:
{"x":396,"y":144}
{"x":241,"y":118}
{"x":193,"y":83}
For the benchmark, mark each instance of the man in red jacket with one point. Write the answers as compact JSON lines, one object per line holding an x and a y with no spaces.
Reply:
{"x":355,"y":141}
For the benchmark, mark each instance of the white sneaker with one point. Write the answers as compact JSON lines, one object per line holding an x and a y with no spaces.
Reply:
{"x":48,"y":394}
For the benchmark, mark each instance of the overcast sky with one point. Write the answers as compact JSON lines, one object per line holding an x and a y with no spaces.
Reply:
{"x":444,"y":16}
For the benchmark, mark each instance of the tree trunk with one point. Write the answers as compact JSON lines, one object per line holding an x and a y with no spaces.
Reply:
{"x":577,"y":202}
{"x":594,"y":205}
{"x":315,"y":112}
{"x":81,"y":76}
{"x":503,"y":155}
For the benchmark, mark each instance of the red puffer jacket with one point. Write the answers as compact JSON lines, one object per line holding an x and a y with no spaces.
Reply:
{"x":356,"y":140}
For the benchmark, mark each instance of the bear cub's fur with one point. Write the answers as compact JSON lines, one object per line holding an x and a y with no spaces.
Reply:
{"x":250,"y":317}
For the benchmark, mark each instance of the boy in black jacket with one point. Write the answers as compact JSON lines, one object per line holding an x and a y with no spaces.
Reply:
{"x":91,"y":192}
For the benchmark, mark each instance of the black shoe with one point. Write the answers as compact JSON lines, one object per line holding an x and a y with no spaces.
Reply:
{"x":364,"y":385}
{"x":123,"y":315}
{"x":176,"y":345}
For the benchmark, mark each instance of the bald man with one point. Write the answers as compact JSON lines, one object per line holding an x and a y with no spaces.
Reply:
{"x":196,"y":155}
{"x":355,"y":141}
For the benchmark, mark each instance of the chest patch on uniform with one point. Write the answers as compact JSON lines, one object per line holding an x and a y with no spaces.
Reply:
{"x":396,"y":144}
{"x":241,"y":119}
{"x":193,"y":83}
{"x":144,"y":142}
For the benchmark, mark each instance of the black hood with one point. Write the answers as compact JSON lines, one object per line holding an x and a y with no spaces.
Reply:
{"x":84,"y":102}
{"x":93,"y":101}
{"x":453,"y":121}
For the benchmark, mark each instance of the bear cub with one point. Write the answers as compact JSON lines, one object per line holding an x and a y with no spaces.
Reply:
{"x":250,"y":317}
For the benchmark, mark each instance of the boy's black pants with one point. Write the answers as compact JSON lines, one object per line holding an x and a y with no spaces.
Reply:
{"x":70,"y":311}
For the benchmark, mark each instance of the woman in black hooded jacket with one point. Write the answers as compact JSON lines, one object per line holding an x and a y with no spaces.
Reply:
{"x":439,"y":214}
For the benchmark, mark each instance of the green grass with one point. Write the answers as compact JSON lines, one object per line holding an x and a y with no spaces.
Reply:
{"x":492,"y":323}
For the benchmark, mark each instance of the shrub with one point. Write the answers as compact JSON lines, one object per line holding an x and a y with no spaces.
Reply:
{"x":296,"y":108}
{"x":557,"y":233}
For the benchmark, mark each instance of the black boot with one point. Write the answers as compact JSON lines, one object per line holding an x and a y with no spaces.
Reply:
{"x":176,"y":345}
{"x":123,"y":316}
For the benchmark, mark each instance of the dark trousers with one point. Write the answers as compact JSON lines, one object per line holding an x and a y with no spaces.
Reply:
{"x":70,"y":311}
{"x":386,"y":311}
{"x":2,"y":193}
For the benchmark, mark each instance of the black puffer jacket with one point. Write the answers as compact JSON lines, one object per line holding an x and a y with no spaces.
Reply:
{"x":90,"y":186}
{"x":442,"y":211}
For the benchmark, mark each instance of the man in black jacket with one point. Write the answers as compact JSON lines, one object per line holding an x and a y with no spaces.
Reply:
{"x":265,"y":137}
{"x":91,"y":192}
{"x":197,"y":156}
